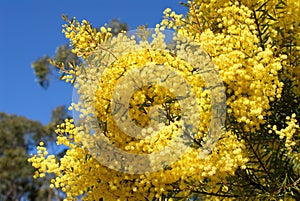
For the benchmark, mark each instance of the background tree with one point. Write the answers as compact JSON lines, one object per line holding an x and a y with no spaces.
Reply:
{"x":44,"y":69}
{"x":117,"y":26}
{"x":19,"y":137}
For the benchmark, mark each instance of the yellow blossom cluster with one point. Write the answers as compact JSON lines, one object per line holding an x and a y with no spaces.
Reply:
{"x":79,"y":173}
{"x":249,"y":71}
{"x":253,"y":62}
{"x":148,"y":96}
{"x":287,"y":36}
{"x":288,"y":132}
{"x":83,"y":37}
{"x":69,"y":76}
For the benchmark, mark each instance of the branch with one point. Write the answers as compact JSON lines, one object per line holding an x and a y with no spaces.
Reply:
{"x":258,"y":29}
{"x":215,"y":194}
{"x":259,"y":160}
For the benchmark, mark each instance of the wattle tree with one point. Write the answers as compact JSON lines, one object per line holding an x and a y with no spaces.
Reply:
{"x":246,"y":51}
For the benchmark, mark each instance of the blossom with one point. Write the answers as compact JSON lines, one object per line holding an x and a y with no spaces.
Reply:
{"x":254,"y":61}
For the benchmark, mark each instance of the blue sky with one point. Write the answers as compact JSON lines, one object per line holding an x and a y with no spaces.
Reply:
{"x":32,"y":28}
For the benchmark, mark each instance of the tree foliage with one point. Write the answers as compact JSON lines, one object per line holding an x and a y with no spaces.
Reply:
{"x":19,"y":137}
{"x":42,"y":70}
{"x":116,"y":26}
{"x":44,"y":67}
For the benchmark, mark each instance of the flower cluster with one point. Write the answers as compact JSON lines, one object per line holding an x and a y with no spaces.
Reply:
{"x":249,"y":71}
{"x":254,"y":45}
{"x":288,"y":132}
{"x":78,"y":173}
{"x":83,"y":37}
{"x":96,"y":86}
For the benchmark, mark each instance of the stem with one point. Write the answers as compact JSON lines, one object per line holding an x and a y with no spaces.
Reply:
{"x":259,"y":160}
{"x":258,"y":29}
{"x":110,"y":52}
{"x":215,"y":194}
{"x":251,"y":182}
{"x":197,"y":20}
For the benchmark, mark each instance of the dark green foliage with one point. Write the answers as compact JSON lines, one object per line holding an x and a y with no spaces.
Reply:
{"x":15,"y":131}
{"x":42,"y":69}
{"x":117,"y":26}
{"x":19,"y":136}
{"x":66,"y":56}
{"x":59,"y":114}
{"x":15,"y":173}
